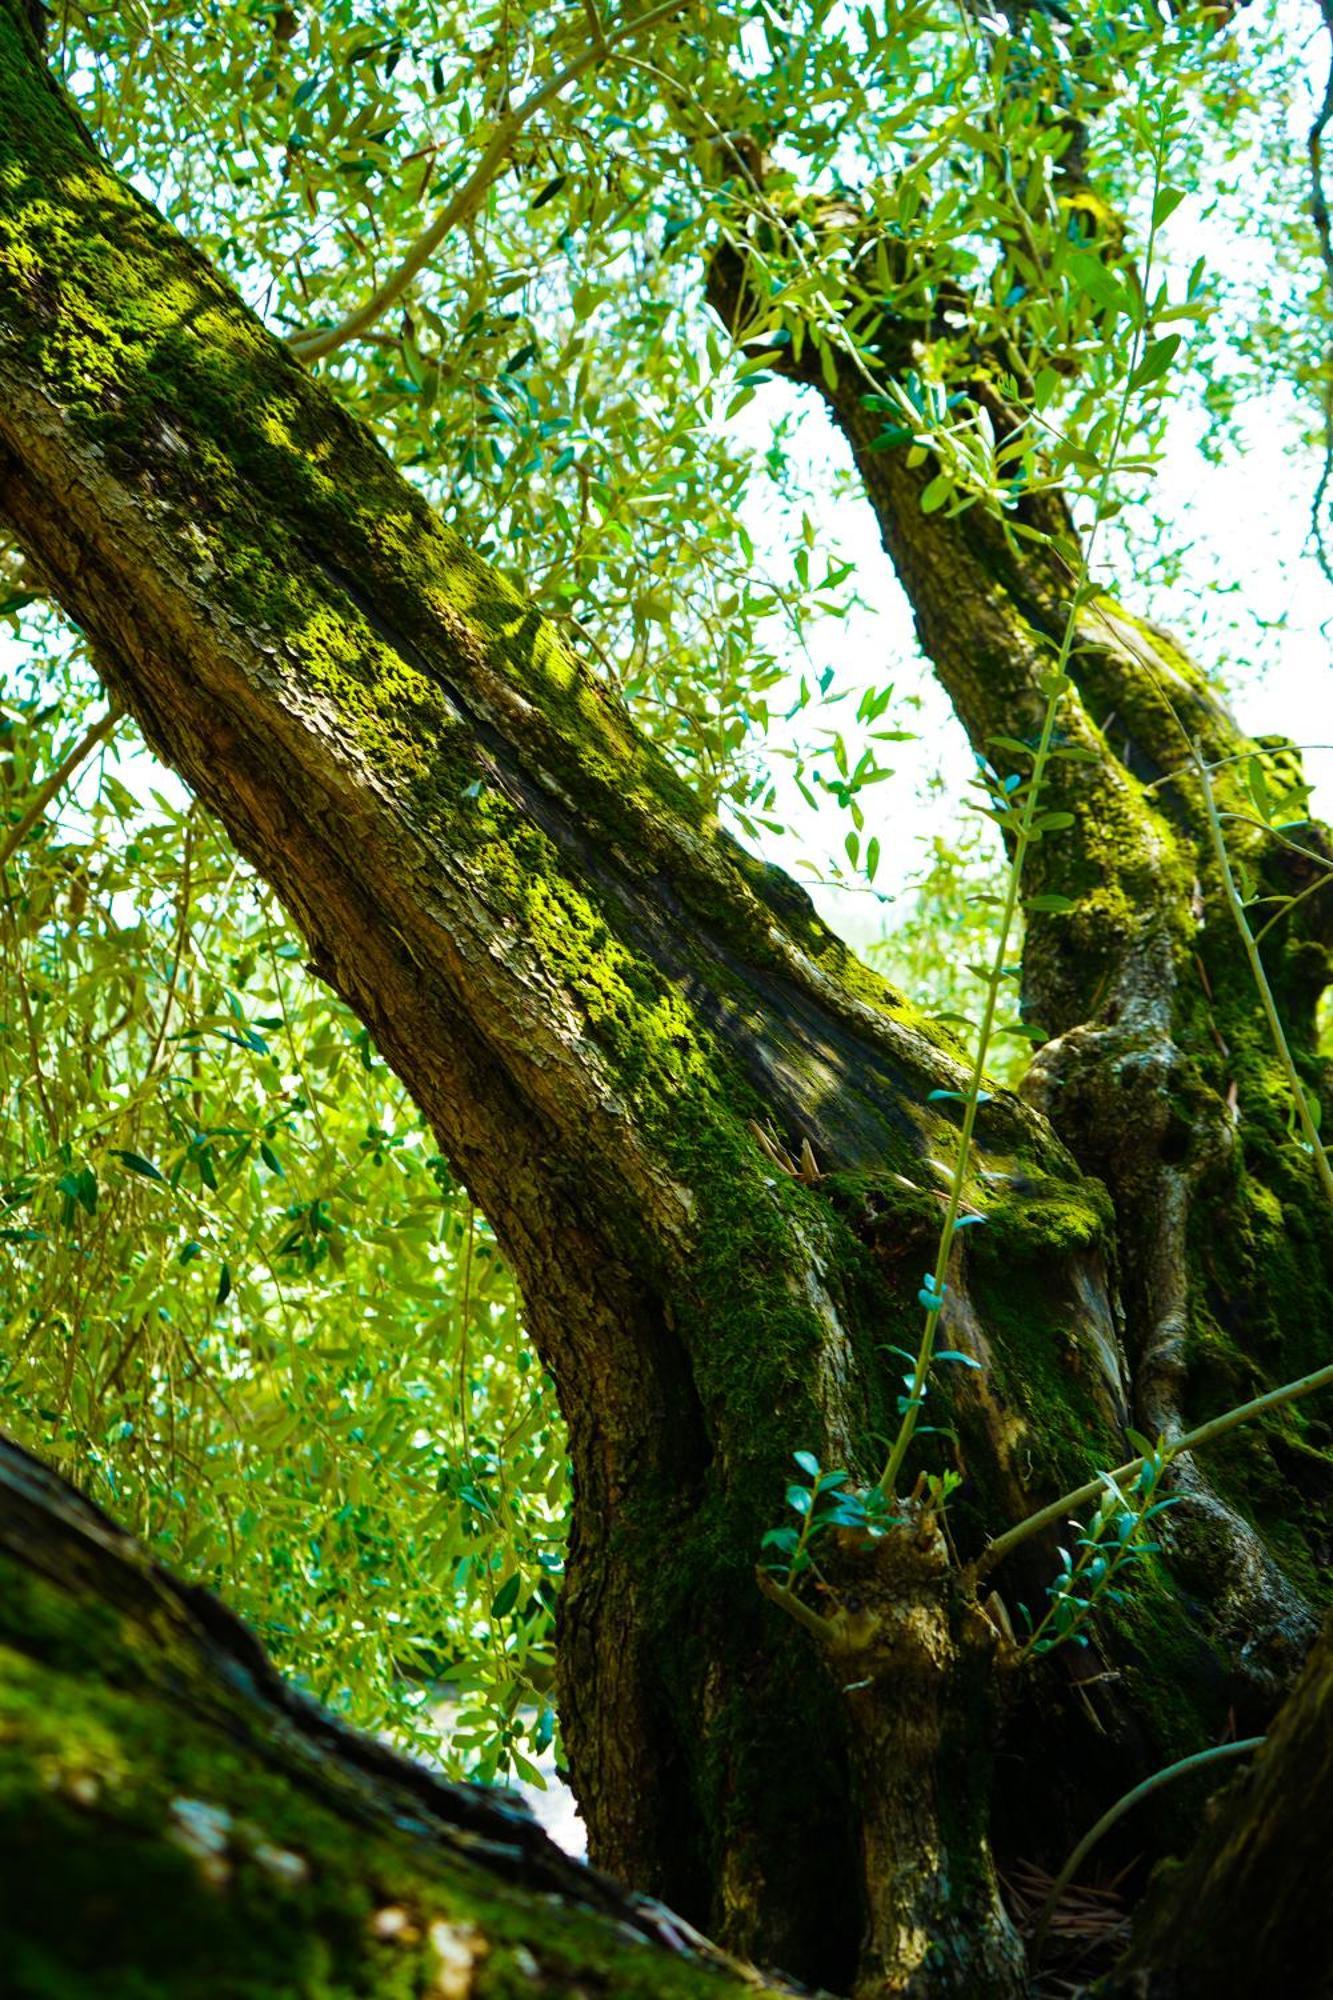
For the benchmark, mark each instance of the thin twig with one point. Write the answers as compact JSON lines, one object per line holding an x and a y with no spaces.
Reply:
{"x":1059,"y":1510}
{"x":1324,"y":231}
{"x":57,"y":781}
{"x":317,"y":342}
{"x":1260,"y":976}
{"x":1166,"y":1776}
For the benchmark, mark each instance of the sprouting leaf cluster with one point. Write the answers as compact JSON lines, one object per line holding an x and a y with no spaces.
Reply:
{"x":1116,"y":1538}
{"x":822,"y":1501}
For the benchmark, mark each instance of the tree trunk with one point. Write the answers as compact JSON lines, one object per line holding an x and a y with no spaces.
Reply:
{"x":175,"y":1820}
{"x":1248,"y":1910}
{"x":1157,"y":1067}
{"x":702,"y":1132}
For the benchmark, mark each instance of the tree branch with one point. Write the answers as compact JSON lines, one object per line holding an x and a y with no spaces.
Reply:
{"x":318,"y":342}
{"x":57,"y":781}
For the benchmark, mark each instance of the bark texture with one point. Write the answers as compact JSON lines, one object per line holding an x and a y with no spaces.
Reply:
{"x":176,"y":1821}
{"x":619,"y":1025}
{"x":1248,"y":1910}
{"x":1157,"y":1067}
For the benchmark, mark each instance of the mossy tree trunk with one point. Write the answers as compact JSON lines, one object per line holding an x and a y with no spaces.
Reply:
{"x":701,"y":1131}
{"x":1248,"y":1909}
{"x":1156,"y":1064}
{"x":175,"y":1820}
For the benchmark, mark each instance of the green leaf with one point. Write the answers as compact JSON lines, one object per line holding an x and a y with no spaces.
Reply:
{"x":506,"y":1597}
{"x":1155,"y":363}
{"x":1167,"y":202}
{"x":781,"y":1538}
{"x":137,"y":1164}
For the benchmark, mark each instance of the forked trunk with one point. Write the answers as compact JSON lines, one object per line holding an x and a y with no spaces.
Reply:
{"x":704,"y":1135}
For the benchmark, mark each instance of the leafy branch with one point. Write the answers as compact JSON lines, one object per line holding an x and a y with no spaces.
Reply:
{"x":95,"y":734}
{"x":1068,"y":1503}
{"x":318,"y":342}
{"x":1115,"y":1538}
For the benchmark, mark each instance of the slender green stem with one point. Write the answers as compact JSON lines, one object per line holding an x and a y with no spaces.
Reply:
{"x":972,"y":1103}
{"x":1217,"y":763}
{"x":794,"y":1606}
{"x":317,"y":342}
{"x":1022,"y":841}
{"x":1166,"y":1776}
{"x":1059,"y":1510}
{"x":1257,"y":969}
{"x":1290,"y":903}
{"x":1114,"y":1555}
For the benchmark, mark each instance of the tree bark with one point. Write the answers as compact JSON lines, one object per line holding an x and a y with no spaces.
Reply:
{"x":1156,"y":1067}
{"x":702,"y":1132}
{"x":1247,"y":1911}
{"x":619,"y":1025}
{"x":176,"y":1820}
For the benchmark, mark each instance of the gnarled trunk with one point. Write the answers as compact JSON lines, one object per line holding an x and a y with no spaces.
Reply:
{"x":1157,"y":1068}
{"x":702,"y":1132}
{"x":618,"y":1025}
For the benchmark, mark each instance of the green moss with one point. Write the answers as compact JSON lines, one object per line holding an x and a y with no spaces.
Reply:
{"x":160,"y":1835}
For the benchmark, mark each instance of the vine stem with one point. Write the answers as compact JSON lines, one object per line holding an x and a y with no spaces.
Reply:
{"x":317,"y":342}
{"x":1165,"y":1776}
{"x":1260,"y":977}
{"x":1022,"y":841}
{"x":972,"y":1104}
{"x":1048,"y":1517}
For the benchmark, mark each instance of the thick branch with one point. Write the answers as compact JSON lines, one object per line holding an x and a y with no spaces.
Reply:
{"x":175,"y":1817}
